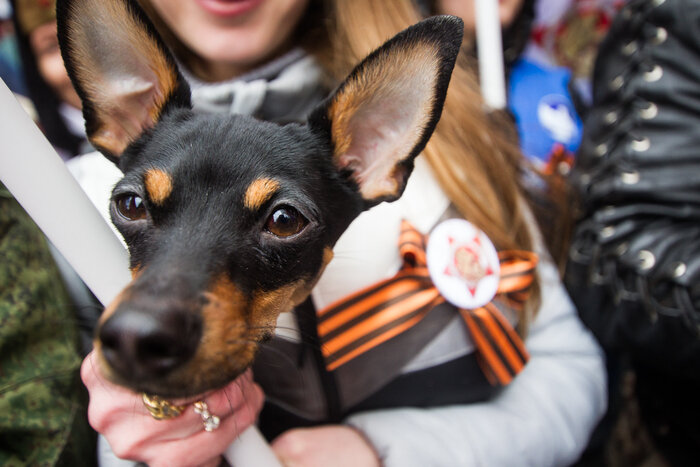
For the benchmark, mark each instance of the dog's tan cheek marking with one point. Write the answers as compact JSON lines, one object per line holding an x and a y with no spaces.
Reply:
{"x":327,"y":257}
{"x":159,"y":185}
{"x":234,"y":323}
{"x":224,"y":346}
{"x":135,"y":272}
{"x":259,"y":192}
{"x":304,"y":288}
{"x":267,"y":306}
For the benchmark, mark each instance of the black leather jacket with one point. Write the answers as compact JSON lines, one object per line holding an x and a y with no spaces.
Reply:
{"x":634,"y":266}
{"x":638,"y":176}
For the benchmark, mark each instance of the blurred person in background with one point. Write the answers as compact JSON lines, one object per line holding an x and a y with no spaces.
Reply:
{"x":43,"y":406}
{"x":539,"y":95}
{"x":10,"y":69}
{"x":544,"y":106}
{"x":57,"y":106}
{"x":634,"y":265}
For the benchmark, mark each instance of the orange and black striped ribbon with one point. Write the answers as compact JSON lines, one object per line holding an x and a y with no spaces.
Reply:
{"x":365,"y":319}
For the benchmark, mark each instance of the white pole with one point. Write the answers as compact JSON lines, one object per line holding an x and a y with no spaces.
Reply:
{"x":490,"y":54}
{"x":251,"y":449}
{"x":39,"y":180}
{"x":41,"y":183}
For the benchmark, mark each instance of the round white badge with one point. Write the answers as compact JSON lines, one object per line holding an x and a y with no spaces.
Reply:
{"x":463,"y":264}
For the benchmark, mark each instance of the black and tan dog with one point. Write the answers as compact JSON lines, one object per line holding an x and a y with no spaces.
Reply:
{"x":230,"y":220}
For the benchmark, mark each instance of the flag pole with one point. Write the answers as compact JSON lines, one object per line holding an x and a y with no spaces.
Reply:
{"x":39,"y":180}
{"x":490,"y":54}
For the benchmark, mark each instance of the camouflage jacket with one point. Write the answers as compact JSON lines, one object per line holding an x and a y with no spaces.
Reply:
{"x":42,"y":401}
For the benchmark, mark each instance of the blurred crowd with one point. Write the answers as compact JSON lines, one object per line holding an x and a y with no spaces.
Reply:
{"x":594,"y":164}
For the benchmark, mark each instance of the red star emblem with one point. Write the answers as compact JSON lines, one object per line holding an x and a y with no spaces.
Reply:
{"x":468,"y":262}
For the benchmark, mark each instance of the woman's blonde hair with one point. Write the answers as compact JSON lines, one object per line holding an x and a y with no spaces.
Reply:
{"x":473,"y":153}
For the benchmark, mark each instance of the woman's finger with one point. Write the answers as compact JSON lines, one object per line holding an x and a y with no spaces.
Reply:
{"x":120,"y":415}
{"x":240,"y":394}
{"x":197,"y":449}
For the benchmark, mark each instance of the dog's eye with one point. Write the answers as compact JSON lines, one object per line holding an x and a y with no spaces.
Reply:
{"x":131,"y":207}
{"x":285,"y":222}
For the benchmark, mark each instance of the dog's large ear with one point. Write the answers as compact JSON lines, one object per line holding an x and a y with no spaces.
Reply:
{"x":120,"y":68}
{"x":381,"y":117}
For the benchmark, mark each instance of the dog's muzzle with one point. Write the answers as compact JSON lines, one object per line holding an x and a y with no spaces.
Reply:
{"x":146,"y":343}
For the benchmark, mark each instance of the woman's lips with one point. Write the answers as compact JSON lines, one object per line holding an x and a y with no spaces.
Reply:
{"x":228,"y":8}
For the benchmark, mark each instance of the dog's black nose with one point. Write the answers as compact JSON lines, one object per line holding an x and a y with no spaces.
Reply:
{"x":141,"y":344}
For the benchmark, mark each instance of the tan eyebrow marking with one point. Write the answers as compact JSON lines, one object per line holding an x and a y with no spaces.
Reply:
{"x":260,"y":191}
{"x":159,"y":185}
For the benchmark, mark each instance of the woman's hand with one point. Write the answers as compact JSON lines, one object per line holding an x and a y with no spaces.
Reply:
{"x":330,"y":445}
{"x":134,"y":434}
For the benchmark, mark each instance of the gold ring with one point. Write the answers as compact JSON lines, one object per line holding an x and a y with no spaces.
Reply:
{"x":161,"y":409}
